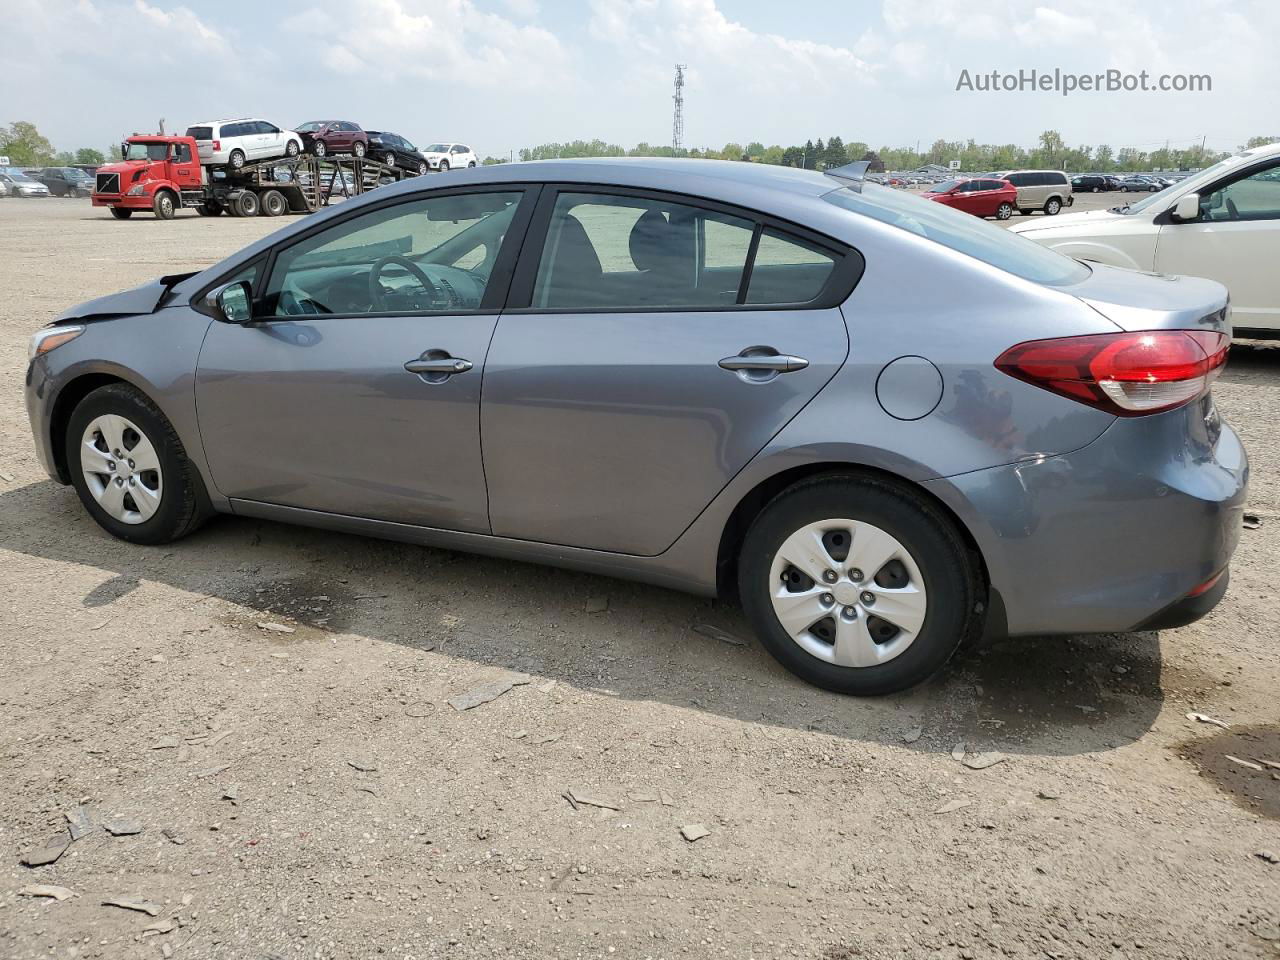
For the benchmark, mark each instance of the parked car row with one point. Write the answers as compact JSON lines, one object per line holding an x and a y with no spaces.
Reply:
{"x":233,"y":143}
{"x":17,"y":183}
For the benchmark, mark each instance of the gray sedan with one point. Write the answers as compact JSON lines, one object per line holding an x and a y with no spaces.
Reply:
{"x":888,"y":427}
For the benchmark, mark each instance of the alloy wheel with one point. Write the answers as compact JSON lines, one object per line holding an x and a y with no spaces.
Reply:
{"x":848,"y":593}
{"x":121,"y":469}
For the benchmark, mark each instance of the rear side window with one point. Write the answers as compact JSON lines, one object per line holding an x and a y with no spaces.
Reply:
{"x":787,"y":270}
{"x":605,"y":252}
{"x":200,"y":133}
{"x":615,"y":253}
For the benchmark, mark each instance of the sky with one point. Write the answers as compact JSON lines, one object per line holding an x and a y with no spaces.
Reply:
{"x":502,"y":74}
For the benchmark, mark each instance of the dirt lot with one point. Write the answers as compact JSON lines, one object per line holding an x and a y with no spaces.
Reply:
{"x":313,"y":794}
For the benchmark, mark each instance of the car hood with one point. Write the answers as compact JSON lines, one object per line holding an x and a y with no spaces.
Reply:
{"x":1089,"y":218}
{"x":144,"y":299}
{"x":1137,"y":300}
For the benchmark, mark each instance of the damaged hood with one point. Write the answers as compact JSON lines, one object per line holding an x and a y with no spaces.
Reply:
{"x":147,"y":298}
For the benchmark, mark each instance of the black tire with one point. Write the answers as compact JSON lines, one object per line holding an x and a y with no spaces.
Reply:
{"x":1052,"y":207}
{"x":357,"y":149}
{"x":444,"y":166}
{"x":1024,"y":212}
{"x":210,"y":208}
{"x":120,"y":213}
{"x":1004,"y":211}
{"x":291,"y":149}
{"x":245,"y":204}
{"x":164,"y":205}
{"x":184,"y":505}
{"x":319,"y":148}
{"x":471,"y":164}
{"x":948,"y":568}
{"x":390,"y":160}
{"x":422,"y":168}
{"x":236,"y":159}
{"x":274,"y":204}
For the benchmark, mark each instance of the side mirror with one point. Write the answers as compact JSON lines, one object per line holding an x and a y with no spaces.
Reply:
{"x":234,"y":302}
{"x":1187,"y":208}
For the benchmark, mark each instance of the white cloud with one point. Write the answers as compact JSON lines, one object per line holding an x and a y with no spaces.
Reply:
{"x":445,"y":42}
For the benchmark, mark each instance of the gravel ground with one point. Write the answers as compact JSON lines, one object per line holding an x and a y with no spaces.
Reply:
{"x":314,"y":794}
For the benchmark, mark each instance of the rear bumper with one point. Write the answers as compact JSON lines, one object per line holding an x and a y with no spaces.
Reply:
{"x":1114,"y":536}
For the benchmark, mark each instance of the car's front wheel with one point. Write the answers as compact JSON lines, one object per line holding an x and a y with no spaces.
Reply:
{"x":858,"y":585}
{"x":130,"y":469}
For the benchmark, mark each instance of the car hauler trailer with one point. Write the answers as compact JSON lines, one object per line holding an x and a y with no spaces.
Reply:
{"x":160,"y":174}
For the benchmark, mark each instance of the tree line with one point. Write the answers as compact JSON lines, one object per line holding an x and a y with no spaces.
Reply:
{"x":24,"y":145}
{"x":1050,"y":152}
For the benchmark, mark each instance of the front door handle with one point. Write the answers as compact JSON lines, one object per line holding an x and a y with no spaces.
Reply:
{"x":436,"y":366}
{"x":764,"y":363}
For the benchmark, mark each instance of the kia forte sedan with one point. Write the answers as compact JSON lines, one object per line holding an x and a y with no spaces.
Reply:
{"x":888,"y":427}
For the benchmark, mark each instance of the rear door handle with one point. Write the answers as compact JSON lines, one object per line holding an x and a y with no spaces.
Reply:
{"x":764,"y":363}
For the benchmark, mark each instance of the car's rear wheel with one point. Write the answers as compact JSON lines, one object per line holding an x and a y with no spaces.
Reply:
{"x":858,"y":585}
{"x":236,"y":159}
{"x":1097,"y":189}
{"x":120,"y":213}
{"x":1004,"y":211}
{"x":1052,"y":207}
{"x":130,"y":469}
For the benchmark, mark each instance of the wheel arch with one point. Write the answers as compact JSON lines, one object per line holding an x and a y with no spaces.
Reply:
{"x":758,"y":497}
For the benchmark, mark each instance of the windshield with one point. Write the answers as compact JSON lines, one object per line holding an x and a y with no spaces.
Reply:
{"x":1208,"y":173}
{"x":437,"y":148}
{"x":147,"y":151}
{"x":19,"y":178}
{"x":309,"y":126}
{"x":944,"y":186}
{"x":961,"y":232}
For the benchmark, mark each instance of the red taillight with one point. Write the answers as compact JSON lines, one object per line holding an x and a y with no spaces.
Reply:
{"x":1206,"y":586}
{"x":1128,"y":374}
{"x":217,"y":145}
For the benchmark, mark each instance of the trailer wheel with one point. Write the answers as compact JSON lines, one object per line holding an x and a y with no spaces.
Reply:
{"x":210,"y":208}
{"x":163,"y":205}
{"x":273,"y":203}
{"x":245,"y":204}
{"x":120,"y":213}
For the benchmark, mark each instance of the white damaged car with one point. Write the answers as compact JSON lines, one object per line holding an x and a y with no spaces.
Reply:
{"x":449,"y":156}
{"x":1222,"y":223}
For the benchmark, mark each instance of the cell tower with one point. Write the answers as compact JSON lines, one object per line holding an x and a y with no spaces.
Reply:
{"x":677,"y":119}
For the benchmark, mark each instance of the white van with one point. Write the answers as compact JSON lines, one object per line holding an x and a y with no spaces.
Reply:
{"x":1222,"y":223}
{"x":234,"y":143}
{"x":1047,"y":190}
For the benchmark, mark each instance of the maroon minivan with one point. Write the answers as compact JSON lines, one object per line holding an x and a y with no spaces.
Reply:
{"x":327,"y":137}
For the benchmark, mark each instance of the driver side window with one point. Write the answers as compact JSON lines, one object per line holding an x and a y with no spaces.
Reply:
{"x":1256,"y":197}
{"x":430,"y":255}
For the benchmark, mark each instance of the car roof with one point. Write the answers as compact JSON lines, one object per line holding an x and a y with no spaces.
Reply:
{"x":216,"y":123}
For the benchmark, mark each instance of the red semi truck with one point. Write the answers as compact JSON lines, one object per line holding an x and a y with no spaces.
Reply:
{"x":160,"y":174}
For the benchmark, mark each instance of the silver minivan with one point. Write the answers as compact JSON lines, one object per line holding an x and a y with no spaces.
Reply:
{"x":1047,"y":190}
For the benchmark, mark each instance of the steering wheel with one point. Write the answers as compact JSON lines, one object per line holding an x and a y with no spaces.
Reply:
{"x":378,"y":296}
{"x":291,"y":306}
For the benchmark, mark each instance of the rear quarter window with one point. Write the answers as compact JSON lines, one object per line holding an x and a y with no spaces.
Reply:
{"x":200,"y":133}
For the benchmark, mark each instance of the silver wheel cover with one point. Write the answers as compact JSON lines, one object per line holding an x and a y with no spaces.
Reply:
{"x":121,"y":469}
{"x":837,"y":612}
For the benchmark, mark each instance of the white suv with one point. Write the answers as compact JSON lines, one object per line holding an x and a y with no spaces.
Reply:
{"x":235,"y":142}
{"x":447,"y":156}
{"x":1222,"y":223}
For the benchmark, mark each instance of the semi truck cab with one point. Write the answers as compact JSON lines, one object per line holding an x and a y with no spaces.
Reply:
{"x":156,"y":173}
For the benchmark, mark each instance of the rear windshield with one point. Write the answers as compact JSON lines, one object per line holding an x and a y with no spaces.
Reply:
{"x":200,"y":133}
{"x":961,"y":232}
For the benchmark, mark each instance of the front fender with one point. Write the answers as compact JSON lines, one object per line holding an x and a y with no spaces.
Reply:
{"x":1098,"y":253}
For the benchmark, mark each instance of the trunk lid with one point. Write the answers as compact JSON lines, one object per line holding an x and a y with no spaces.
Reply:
{"x":1135,"y":300}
